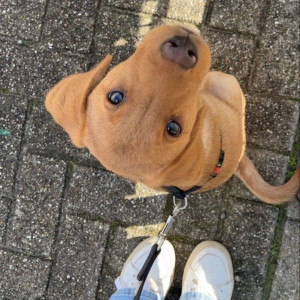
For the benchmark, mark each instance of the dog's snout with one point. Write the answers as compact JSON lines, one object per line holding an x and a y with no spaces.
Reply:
{"x":181,"y":50}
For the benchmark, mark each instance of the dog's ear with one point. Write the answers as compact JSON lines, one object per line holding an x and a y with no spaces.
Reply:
{"x":67,"y":100}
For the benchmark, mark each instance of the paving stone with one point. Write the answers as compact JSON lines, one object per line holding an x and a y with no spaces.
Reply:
{"x":43,"y":135}
{"x":201,"y":220}
{"x":277,"y":68}
{"x":271,"y":166}
{"x":248,"y":233}
{"x":81,"y":248}
{"x":232,"y":53}
{"x":38,"y":195}
{"x":271,"y":122}
{"x":33,"y":70}
{"x":12,"y":118}
{"x":70,"y":24}
{"x":243,"y":16}
{"x":22,"y":277}
{"x":286,"y":281}
{"x":293,"y":210}
{"x":151,"y":7}
{"x":4,"y":211}
{"x":193,"y":12}
{"x":22,"y":20}
{"x":106,"y":195}
{"x":117,"y":34}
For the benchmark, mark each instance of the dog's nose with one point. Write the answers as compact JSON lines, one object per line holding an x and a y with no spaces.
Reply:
{"x":181,"y":50}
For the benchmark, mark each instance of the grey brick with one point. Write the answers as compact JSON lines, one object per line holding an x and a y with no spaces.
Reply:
{"x":202,"y":218}
{"x":151,"y":7}
{"x":38,"y":195}
{"x":22,"y":19}
{"x":43,"y":135}
{"x":271,"y":122}
{"x":70,"y":24}
{"x":22,"y":277}
{"x":293,"y":210}
{"x":116,"y":34}
{"x":106,"y":195}
{"x":231,"y":52}
{"x":277,"y":61}
{"x":4,"y":211}
{"x":248,"y":234}
{"x":243,"y":16}
{"x":33,"y":70}
{"x":271,"y":166}
{"x":286,"y":281}
{"x":81,"y":248}
{"x":12,"y":118}
{"x":173,"y":9}
{"x":179,"y":10}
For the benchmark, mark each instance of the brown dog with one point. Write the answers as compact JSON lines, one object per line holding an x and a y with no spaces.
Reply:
{"x":162,"y":118}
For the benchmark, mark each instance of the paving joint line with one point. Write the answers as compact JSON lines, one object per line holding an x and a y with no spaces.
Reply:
{"x":40,"y":38}
{"x":274,"y":251}
{"x":110,"y":232}
{"x":65,"y":157}
{"x":208,"y":10}
{"x":55,"y":246}
{"x":22,"y":252}
{"x":230,"y":31}
{"x":92,"y":48}
{"x":262,"y":28}
{"x":18,"y":167}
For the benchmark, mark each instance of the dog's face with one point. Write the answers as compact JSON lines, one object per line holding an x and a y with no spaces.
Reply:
{"x":143,"y":115}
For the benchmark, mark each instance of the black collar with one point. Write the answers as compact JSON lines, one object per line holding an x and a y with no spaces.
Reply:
{"x":181,"y":194}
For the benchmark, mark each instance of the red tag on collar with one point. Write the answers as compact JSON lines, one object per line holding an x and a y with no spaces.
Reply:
{"x":217,"y":170}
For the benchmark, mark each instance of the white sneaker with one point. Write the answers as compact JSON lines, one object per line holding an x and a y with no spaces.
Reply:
{"x":209,"y":271}
{"x":161,"y":274}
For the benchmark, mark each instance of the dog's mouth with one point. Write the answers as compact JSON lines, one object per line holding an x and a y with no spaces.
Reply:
{"x":181,"y":50}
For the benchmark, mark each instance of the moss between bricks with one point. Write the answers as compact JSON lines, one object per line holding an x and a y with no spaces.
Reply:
{"x":4,"y":91}
{"x":293,"y":162}
{"x":274,"y":253}
{"x":31,"y":104}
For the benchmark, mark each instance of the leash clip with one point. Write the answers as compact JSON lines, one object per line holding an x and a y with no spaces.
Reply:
{"x":178,"y":205}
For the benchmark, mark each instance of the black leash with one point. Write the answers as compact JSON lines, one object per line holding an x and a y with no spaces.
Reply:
{"x":156,"y":248}
{"x":180,"y":203}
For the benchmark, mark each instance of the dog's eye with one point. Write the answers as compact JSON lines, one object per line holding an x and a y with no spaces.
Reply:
{"x":173,"y":128}
{"x":115,"y":97}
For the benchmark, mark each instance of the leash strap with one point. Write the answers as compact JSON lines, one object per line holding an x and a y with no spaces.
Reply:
{"x":142,"y":276}
{"x":181,"y":194}
{"x":156,"y":248}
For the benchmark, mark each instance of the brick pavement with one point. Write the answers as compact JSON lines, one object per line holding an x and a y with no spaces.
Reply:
{"x":66,"y":224}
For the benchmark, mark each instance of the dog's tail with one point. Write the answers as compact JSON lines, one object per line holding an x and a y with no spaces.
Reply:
{"x":270,"y":194}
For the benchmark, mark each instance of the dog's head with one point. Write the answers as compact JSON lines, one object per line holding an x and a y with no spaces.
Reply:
{"x":141,"y":119}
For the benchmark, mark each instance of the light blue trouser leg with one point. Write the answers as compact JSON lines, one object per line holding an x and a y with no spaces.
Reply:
{"x":127,"y":294}
{"x":195,"y":296}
